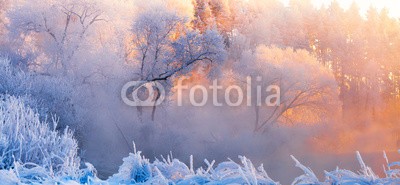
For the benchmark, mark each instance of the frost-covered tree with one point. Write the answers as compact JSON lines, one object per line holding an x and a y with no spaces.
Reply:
{"x":219,"y":14}
{"x":308,"y":91}
{"x":53,"y":31}
{"x":164,"y":47}
{"x":262,"y":22}
{"x":202,"y":15}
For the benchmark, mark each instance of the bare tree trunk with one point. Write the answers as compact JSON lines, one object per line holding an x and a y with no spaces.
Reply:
{"x":153,"y":112}
{"x":257,"y":110}
{"x":140,"y":113}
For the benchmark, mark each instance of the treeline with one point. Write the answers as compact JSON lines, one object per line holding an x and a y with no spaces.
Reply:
{"x":363,"y":51}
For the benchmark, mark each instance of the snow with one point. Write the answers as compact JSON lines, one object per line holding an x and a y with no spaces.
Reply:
{"x":136,"y":169}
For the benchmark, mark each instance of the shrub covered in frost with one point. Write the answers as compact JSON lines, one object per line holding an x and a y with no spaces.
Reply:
{"x":32,"y":145}
{"x":50,"y":95}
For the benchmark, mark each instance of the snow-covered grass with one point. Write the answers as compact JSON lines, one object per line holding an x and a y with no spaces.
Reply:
{"x":342,"y":176}
{"x":31,"y":147}
{"x":136,"y":169}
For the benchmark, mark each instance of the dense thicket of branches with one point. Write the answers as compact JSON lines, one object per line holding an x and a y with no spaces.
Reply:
{"x":361,"y":50}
